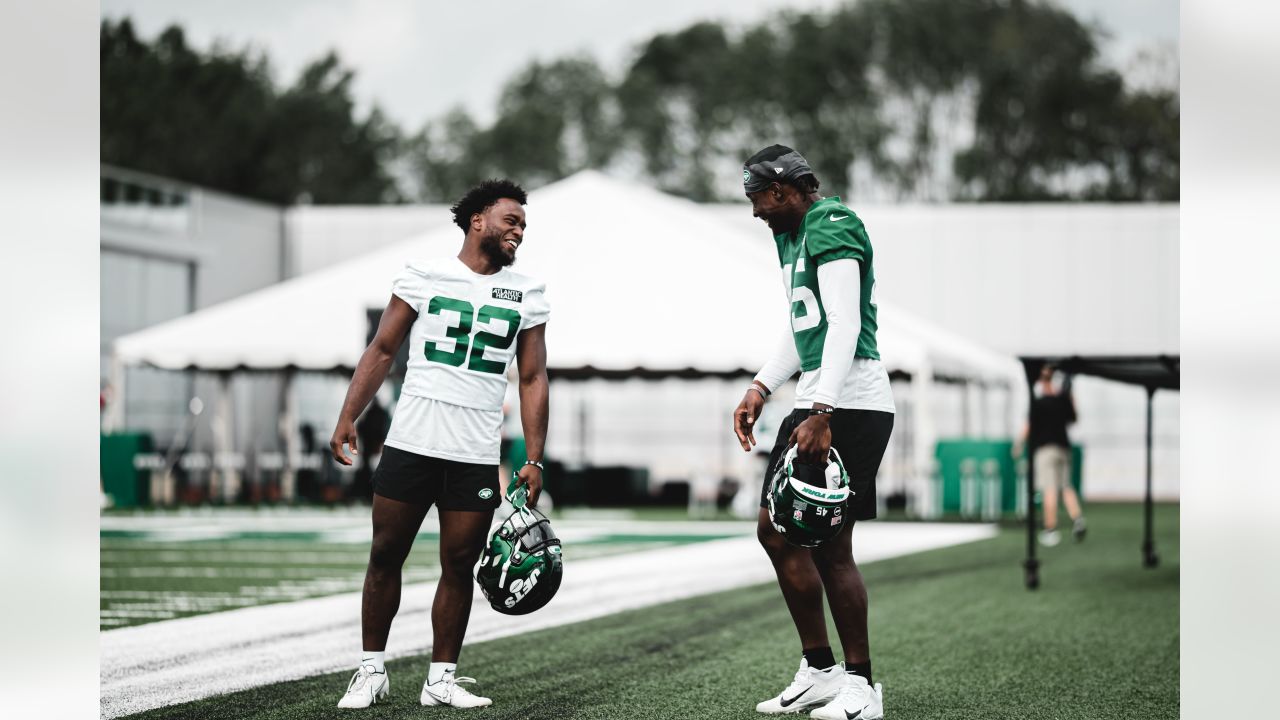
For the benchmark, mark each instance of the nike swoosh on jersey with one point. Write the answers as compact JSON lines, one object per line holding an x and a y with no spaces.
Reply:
{"x":833,"y":218}
{"x":784,"y":702}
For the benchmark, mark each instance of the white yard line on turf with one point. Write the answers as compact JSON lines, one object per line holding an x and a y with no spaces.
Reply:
{"x":354,"y":527}
{"x":175,"y":661}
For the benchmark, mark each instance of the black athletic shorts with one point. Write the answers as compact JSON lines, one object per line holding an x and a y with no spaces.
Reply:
{"x":860,"y":436}
{"x":422,"y":480}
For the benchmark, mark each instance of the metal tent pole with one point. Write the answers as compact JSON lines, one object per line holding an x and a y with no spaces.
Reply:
{"x":1149,"y":557}
{"x":1031,"y":564}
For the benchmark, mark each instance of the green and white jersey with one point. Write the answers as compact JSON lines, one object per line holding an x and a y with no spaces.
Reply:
{"x":460,"y":348}
{"x":465,"y":335}
{"x":829,"y":231}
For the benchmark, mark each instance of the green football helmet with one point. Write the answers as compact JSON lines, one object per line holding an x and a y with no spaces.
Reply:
{"x":807,"y":503}
{"x":521,"y":569}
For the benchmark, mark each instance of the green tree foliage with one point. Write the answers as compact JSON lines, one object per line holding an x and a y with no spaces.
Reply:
{"x":889,"y":84}
{"x":217,"y":120}
{"x":554,"y":119}
{"x":982,"y":100}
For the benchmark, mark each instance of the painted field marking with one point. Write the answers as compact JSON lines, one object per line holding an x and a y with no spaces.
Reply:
{"x":176,"y":661}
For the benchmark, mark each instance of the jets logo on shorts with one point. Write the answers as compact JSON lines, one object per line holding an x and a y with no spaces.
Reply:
{"x":485,"y":493}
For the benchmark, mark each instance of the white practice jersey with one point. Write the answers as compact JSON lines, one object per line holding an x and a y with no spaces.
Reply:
{"x":866,"y":387}
{"x":459,"y":350}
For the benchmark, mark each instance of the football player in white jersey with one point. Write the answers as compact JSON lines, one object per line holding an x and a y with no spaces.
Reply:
{"x":467,"y":318}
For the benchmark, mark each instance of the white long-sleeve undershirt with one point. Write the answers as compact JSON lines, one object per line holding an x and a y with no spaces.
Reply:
{"x":839,"y":284}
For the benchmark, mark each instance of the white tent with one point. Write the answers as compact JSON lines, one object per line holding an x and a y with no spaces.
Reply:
{"x":638,"y":280}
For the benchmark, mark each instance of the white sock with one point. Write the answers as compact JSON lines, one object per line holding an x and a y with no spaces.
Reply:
{"x":374,"y":658}
{"x":437,"y":671}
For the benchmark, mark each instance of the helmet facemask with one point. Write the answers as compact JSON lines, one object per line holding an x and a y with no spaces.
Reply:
{"x":520,"y":570}
{"x":807,"y":504}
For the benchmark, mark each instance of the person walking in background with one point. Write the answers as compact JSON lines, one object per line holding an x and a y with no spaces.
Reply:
{"x":1047,"y":445}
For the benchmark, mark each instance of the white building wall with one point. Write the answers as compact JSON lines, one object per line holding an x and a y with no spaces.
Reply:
{"x":244,"y":247}
{"x":319,"y":236}
{"x":169,"y":248}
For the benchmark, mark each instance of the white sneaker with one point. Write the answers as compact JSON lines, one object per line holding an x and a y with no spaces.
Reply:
{"x":1050,"y":538}
{"x":447,"y":692}
{"x":856,"y":701}
{"x":811,"y":689}
{"x":366,"y":688}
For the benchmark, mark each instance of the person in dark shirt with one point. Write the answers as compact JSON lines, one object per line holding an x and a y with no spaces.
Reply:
{"x":1050,"y":450}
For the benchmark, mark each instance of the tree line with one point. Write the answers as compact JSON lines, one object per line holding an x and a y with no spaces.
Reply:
{"x":926,"y":100}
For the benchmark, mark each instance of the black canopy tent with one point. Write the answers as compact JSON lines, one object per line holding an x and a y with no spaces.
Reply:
{"x":1153,"y":372}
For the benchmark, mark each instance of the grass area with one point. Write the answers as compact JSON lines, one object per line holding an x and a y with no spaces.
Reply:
{"x":147,"y":580}
{"x":954,"y":635}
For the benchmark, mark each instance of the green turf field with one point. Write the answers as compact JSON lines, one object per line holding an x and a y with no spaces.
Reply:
{"x":144,"y":580}
{"x":954,"y":635}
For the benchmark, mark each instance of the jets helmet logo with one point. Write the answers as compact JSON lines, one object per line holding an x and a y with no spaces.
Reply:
{"x":521,"y":568}
{"x":520,"y":588}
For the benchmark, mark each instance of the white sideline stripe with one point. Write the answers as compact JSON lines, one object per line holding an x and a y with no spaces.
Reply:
{"x":176,"y":661}
{"x":355,"y":527}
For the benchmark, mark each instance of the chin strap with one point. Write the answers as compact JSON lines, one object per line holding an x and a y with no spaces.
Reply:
{"x":519,"y":494}
{"x":843,"y":479}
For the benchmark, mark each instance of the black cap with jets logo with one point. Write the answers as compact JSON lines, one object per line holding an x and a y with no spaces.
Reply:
{"x":776,"y":163}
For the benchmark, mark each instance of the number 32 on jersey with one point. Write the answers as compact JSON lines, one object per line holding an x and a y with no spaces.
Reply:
{"x":503,"y":324}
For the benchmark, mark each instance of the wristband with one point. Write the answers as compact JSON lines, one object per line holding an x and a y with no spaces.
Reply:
{"x":535,"y":463}
{"x":822,"y":411}
{"x":758,"y":389}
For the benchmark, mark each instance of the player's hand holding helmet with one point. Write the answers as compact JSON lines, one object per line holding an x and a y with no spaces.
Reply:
{"x":521,"y":569}
{"x":807,"y":503}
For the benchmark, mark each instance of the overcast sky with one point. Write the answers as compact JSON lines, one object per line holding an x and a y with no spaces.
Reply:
{"x":417,"y":58}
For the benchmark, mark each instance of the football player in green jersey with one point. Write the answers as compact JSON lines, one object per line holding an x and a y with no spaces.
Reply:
{"x":843,"y":400}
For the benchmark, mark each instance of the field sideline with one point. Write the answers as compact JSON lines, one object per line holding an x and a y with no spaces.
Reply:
{"x":163,"y":567}
{"x":162,"y":663}
{"x":954,"y":634}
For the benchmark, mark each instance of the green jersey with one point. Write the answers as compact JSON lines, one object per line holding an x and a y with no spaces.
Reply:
{"x":829,"y":231}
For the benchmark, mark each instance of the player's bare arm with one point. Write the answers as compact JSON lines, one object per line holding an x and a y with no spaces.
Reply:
{"x":779,"y":368}
{"x":370,"y":372}
{"x":813,"y":437}
{"x":748,"y":411}
{"x":531,"y":359}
